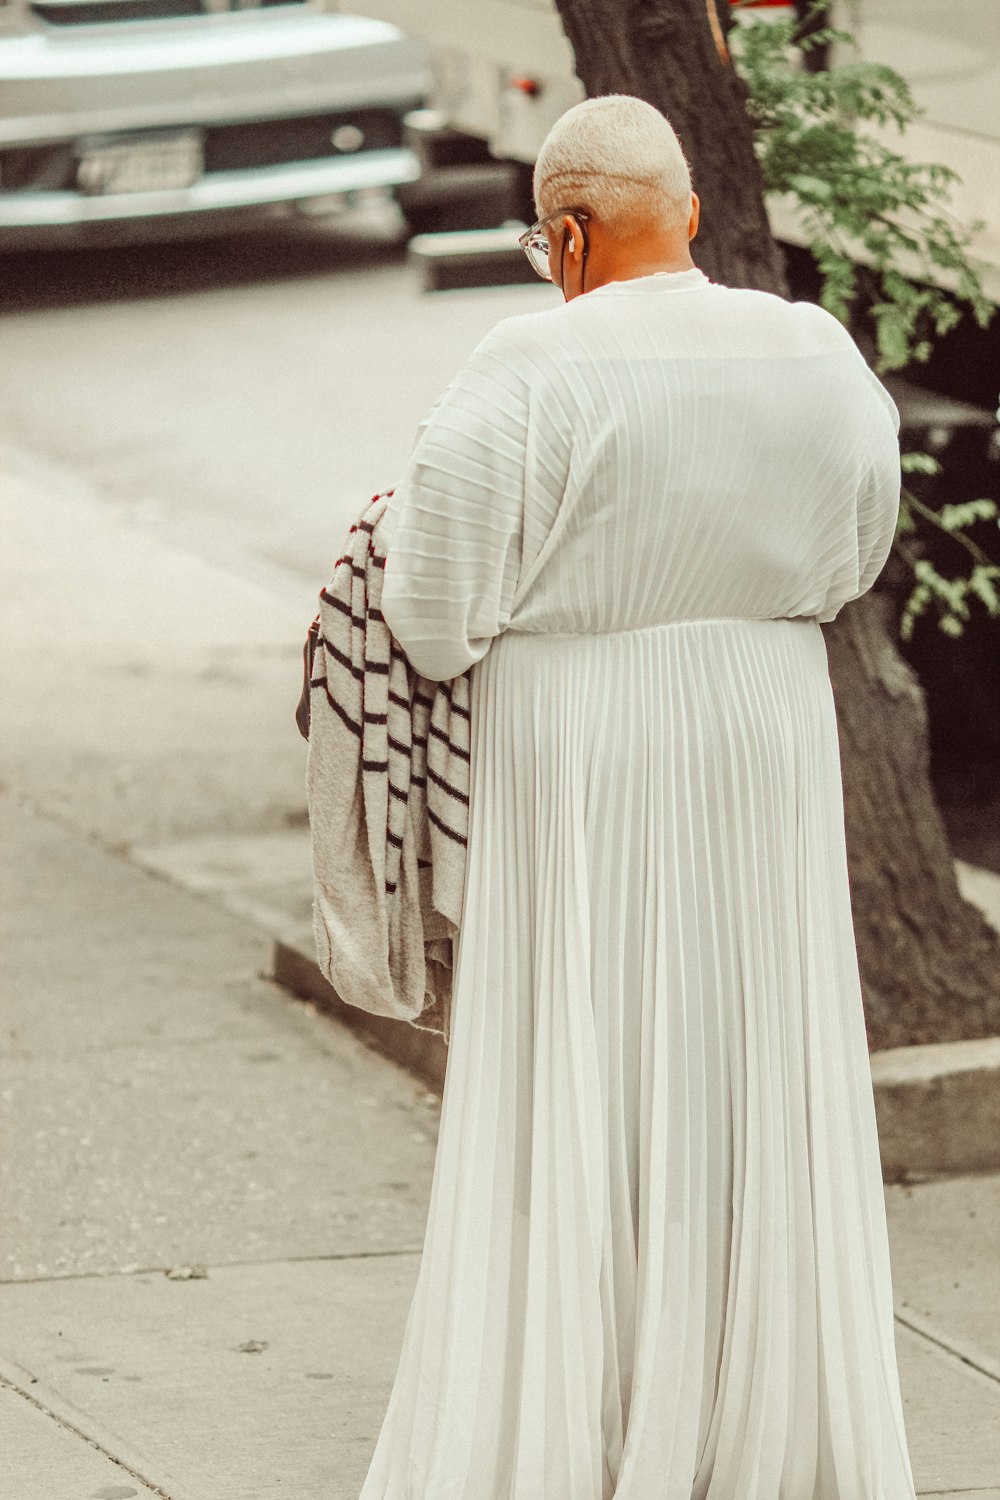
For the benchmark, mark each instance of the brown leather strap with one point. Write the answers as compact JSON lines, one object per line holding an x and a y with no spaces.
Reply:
{"x":308,"y":652}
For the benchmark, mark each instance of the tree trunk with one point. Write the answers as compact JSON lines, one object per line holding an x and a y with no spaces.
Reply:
{"x":929,"y":961}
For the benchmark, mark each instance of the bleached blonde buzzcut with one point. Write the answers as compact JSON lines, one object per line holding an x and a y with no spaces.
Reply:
{"x":619,"y":156}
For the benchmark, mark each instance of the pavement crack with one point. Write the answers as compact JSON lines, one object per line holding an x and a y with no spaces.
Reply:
{"x":219,"y":1265}
{"x":975,"y":1362}
{"x":105,"y":1452}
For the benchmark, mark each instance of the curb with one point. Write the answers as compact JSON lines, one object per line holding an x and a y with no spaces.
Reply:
{"x":937,"y":1106}
{"x":422,"y":1053}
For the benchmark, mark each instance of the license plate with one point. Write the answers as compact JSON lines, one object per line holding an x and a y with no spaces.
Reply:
{"x":140,"y":164}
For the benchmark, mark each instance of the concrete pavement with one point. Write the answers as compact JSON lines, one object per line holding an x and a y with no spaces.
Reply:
{"x":214,"y":1199}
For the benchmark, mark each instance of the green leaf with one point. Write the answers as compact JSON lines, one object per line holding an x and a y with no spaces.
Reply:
{"x":919,"y":463}
{"x":854,"y":191}
{"x":810,"y":187}
{"x":957,"y":517}
{"x":981,"y":584}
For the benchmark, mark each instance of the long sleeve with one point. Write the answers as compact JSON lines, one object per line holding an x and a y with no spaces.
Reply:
{"x":878,"y":496}
{"x":456,"y":516}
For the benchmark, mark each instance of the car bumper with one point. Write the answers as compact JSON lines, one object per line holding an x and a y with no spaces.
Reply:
{"x":59,"y":217}
{"x":249,"y":65}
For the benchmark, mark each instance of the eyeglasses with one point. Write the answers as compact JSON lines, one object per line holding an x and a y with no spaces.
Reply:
{"x":535,"y":243}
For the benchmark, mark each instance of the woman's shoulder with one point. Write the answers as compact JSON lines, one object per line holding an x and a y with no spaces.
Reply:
{"x":515,"y":346}
{"x":775,"y":327}
{"x":817,"y":323}
{"x":522,"y":330}
{"x":797,"y":332}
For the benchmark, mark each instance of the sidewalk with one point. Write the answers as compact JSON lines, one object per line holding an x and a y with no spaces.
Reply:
{"x":215,"y":1202}
{"x":166,"y":1108}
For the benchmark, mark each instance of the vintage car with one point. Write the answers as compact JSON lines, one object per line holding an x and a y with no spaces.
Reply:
{"x":136,"y":118}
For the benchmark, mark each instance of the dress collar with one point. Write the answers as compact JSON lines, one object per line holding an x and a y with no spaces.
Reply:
{"x":693,"y":279}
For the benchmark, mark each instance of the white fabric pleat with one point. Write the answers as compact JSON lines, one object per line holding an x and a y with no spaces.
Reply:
{"x":655,"y":1263}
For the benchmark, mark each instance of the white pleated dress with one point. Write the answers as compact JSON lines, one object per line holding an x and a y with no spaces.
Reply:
{"x":655,"y":1264}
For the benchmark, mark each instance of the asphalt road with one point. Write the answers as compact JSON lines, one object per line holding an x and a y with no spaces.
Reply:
{"x":186,"y":432}
{"x":240,"y":397}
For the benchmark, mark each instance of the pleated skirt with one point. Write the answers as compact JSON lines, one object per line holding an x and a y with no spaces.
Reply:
{"x":655,"y":1264}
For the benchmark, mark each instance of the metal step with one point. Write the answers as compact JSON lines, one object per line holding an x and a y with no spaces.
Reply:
{"x":470,"y":195}
{"x":435,"y":143}
{"x":471,"y":257}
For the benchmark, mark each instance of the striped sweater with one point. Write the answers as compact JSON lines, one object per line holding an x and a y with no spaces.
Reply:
{"x":387,"y":783}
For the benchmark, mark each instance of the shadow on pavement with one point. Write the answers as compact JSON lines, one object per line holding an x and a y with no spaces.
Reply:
{"x":268,"y":251}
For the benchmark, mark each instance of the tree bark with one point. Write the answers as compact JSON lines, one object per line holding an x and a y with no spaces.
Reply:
{"x":928,"y":959}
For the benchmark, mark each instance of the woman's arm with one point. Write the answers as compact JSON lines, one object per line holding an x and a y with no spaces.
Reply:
{"x":878,"y":495}
{"x":456,"y":517}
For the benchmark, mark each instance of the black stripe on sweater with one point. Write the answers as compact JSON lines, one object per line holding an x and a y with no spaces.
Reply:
{"x":420,"y":741}
{"x":358,"y":570}
{"x":373,"y":718}
{"x":390,"y":885}
{"x":382,"y":767}
{"x":456,"y":838}
{"x":439,"y":734}
{"x":446,"y":787}
{"x":359,"y":621}
{"x":398,"y":745}
{"x":340,"y":712}
{"x":381,"y":667}
{"x":448,"y":688}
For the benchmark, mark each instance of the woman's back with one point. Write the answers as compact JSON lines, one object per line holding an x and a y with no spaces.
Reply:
{"x":660,"y":449}
{"x":693,"y":451}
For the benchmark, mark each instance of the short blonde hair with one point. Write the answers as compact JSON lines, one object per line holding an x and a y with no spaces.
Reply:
{"x":619,"y":156}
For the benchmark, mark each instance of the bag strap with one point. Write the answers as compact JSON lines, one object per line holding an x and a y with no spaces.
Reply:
{"x":308,"y":652}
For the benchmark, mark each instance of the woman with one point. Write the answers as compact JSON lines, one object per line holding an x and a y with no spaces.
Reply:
{"x":656,"y":1262}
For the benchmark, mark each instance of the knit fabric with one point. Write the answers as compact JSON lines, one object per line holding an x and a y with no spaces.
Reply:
{"x":387,"y":784}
